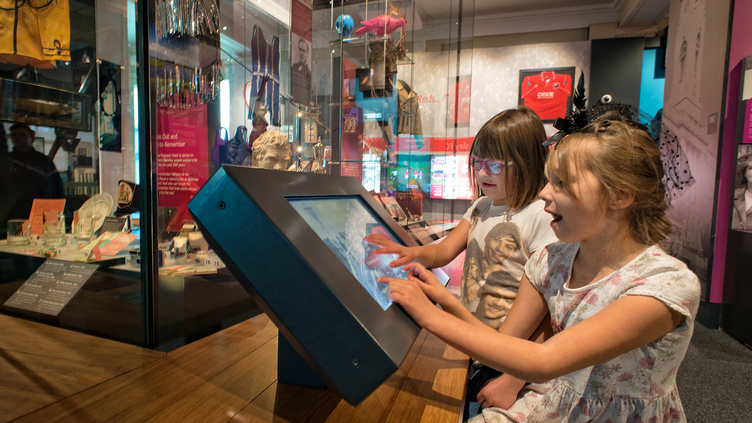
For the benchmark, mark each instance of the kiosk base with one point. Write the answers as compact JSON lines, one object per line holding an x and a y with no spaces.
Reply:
{"x":292,"y":369}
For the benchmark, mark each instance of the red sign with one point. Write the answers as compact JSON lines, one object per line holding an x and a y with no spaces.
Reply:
{"x":449,"y":146}
{"x":182,"y":156}
{"x":459,"y":104}
{"x":302,"y":19}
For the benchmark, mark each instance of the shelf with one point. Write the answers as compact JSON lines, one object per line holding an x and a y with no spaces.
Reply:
{"x":363,"y":40}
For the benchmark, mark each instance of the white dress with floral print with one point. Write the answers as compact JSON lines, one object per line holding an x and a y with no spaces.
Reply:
{"x":638,"y":386}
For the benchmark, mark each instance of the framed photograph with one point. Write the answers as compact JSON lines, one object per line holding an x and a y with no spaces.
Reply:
{"x":548,"y":91}
{"x":741,"y":218}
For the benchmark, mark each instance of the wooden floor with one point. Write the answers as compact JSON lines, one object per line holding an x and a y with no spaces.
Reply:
{"x":48,"y":374}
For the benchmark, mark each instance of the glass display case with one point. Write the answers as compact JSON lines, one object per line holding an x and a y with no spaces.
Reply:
{"x":145,"y":101}
{"x":68,"y":136}
{"x":400,"y":102}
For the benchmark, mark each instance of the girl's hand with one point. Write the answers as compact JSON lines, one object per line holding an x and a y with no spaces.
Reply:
{"x":428,"y":282}
{"x":409,"y":294}
{"x":500,"y":392}
{"x":406,"y":254}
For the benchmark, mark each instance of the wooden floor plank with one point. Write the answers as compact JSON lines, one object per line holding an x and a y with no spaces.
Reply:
{"x":260,"y":410}
{"x":431,"y":392}
{"x":144,"y":392}
{"x":223,"y":396}
{"x":15,"y":403}
{"x":40,"y":339}
{"x":284,"y":405}
{"x":226,"y":377}
{"x":46,"y":364}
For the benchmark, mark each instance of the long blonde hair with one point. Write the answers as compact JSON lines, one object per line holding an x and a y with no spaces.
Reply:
{"x":626,"y":161}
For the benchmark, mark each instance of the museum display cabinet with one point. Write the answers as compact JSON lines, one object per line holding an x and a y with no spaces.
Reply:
{"x":737,"y":291}
{"x":137,"y":105}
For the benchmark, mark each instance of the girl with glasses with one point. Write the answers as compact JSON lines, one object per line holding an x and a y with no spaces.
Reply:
{"x":621,"y":310}
{"x":501,"y":229}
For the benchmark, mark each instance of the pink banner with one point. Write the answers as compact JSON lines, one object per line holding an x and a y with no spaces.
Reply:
{"x":748,"y":122}
{"x":182,"y":154}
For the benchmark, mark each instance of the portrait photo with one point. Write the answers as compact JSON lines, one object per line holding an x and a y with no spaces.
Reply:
{"x":300,"y":72}
{"x":741,"y":218}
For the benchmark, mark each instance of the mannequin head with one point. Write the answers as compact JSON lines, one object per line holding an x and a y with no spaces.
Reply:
{"x":271,"y":151}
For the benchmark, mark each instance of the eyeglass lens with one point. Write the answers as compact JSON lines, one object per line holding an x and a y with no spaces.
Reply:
{"x":492,"y":166}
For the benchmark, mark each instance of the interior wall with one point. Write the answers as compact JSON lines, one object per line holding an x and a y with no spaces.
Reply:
{"x":696,"y":57}
{"x":495,"y":80}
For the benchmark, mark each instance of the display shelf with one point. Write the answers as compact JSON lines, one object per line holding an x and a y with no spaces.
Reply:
{"x":67,"y":252}
{"x":351,"y":46}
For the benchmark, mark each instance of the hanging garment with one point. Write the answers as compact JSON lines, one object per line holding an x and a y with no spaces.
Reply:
{"x":677,"y":176}
{"x":236,"y":149}
{"x":34,"y":32}
{"x":265,"y":60}
{"x":408,"y":115}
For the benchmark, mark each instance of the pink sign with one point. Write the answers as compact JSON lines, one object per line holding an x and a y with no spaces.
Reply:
{"x":460,"y":101}
{"x":748,"y":122}
{"x":182,"y":155}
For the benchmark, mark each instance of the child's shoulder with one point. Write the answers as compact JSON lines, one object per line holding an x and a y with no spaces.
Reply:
{"x":655,"y":260}
{"x":656,"y":273}
{"x":657,"y":264}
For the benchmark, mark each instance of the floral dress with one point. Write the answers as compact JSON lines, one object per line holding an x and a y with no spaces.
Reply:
{"x":637,"y":386}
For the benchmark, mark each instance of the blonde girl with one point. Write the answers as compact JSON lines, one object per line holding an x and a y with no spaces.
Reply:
{"x":622,"y":310}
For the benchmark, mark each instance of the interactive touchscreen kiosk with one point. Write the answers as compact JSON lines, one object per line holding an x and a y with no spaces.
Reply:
{"x":295,"y":243}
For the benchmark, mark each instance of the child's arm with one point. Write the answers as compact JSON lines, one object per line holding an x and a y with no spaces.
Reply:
{"x":502,"y":391}
{"x":628,"y":323}
{"x":432,"y":255}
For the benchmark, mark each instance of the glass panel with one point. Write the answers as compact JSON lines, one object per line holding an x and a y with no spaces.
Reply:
{"x":222,"y":84}
{"x":400,"y":85}
{"x":67,"y":105}
{"x":403,"y":112}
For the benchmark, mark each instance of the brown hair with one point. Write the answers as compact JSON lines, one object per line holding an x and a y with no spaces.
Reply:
{"x":625,"y":160}
{"x":515,"y":135}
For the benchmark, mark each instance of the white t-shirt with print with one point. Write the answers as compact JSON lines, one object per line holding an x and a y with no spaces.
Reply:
{"x":499,"y":243}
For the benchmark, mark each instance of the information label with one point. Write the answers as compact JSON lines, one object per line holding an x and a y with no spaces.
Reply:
{"x":113,"y":224}
{"x":51,"y":287}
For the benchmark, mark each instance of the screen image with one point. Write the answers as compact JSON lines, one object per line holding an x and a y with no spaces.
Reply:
{"x":450,"y":178}
{"x":412,"y":174}
{"x":342,"y":223}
